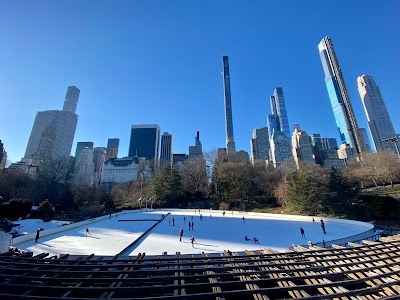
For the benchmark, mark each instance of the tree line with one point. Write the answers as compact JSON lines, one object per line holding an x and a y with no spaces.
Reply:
{"x":229,"y":182}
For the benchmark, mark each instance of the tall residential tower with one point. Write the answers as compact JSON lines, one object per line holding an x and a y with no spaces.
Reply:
{"x":340,"y":100}
{"x":55,"y":129}
{"x":379,"y":122}
{"x":230,"y":142}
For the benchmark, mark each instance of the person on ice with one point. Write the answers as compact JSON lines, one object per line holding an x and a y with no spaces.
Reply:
{"x":180,"y":234}
{"x":87,"y":231}
{"x":303,"y":236}
{"x":173,"y":221}
{"x":189,"y":225}
{"x":37,"y":235}
{"x":243,"y":219}
{"x":184,"y":220}
{"x":246,"y":238}
{"x":169,"y":221}
{"x":323,"y":226}
{"x":313,"y":220}
{"x":192,"y":240}
{"x":255,"y":240}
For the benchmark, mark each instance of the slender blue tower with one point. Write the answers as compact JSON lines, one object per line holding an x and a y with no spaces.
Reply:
{"x":230,"y":141}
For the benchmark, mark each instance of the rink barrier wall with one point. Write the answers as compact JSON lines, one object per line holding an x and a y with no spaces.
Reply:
{"x":31,"y":236}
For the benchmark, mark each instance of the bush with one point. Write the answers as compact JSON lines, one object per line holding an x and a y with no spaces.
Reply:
{"x":45,"y":211}
{"x":15,"y":208}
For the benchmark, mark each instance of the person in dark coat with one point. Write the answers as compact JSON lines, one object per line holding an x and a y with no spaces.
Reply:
{"x":180,"y":234}
{"x":302,"y":233}
{"x":37,"y":235}
{"x":190,"y":225}
{"x":192,"y":240}
{"x":87,"y":231}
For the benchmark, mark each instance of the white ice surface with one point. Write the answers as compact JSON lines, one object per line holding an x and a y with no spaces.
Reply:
{"x":213,"y":234}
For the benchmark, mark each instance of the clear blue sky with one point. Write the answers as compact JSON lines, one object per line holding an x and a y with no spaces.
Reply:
{"x":139,"y":62}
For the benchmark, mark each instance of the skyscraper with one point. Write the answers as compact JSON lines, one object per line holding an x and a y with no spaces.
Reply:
{"x":145,"y":142}
{"x":230,"y":141}
{"x":112,"y":148}
{"x":278,"y":108}
{"x":166,"y":149}
{"x":340,"y":100}
{"x":99,"y":154}
{"x":379,"y":122}
{"x":63,"y":123}
{"x":280,"y":148}
{"x":278,"y":127}
{"x":259,"y":144}
{"x":197,"y":149}
{"x":80,"y":146}
{"x":84,"y":167}
{"x":302,"y":149}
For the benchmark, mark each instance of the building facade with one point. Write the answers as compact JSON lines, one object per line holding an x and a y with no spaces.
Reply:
{"x":301,"y":147}
{"x":197,"y":149}
{"x":145,"y":142}
{"x":80,"y":146}
{"x":341,"y":105}
{"x":280,"y":148}
{"x":259,"y":145}
{"x":64,"y":124}
{"x":379,"y":122}
{"x":118,"y":170}
{"x":84,"y":168}
{"x":99,"y":155}
{"x":112,"y":148}
{"x":166,"y":151}
{"x":230,"y":141}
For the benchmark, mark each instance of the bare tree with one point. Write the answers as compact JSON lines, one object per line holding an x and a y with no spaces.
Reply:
{"x":194,"y":175}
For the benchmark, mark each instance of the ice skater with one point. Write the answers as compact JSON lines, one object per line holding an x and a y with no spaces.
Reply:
{"x":180,"y":234}
{"x":173,"y":221}
{"x":313,"y":220}
{"x":243,"y":219}
{"x":323,"y":226}
{"x":255,"y":240}
{"x":303,"y":236}
{"x":246,"y":238}
{"x":223,"y":214}
{"x":192,"y":225}
{"x":37,"y":235}
{"x":87,"y":231}
{"x":169,"y":221}
{"x":192,"y":240}
{"x":189,"y":225}
{"x":184,"y":220}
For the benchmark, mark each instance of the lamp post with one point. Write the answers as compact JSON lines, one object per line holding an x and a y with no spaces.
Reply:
{"x":395,"y":140}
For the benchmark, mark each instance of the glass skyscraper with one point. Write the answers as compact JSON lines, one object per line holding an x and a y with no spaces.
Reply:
{"x":230,"y":141}
{"x":278,"y":102}
{"x":379,"y":122}
{"x":340,"y":100}
{"x":166,"y":149}
{"x":63,"y":123}
{"x":145,"y":142}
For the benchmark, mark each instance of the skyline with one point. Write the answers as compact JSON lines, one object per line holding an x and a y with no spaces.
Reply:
{"x":150,"y":63}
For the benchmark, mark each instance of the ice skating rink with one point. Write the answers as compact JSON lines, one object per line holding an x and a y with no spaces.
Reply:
{"x":215,"y":233}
